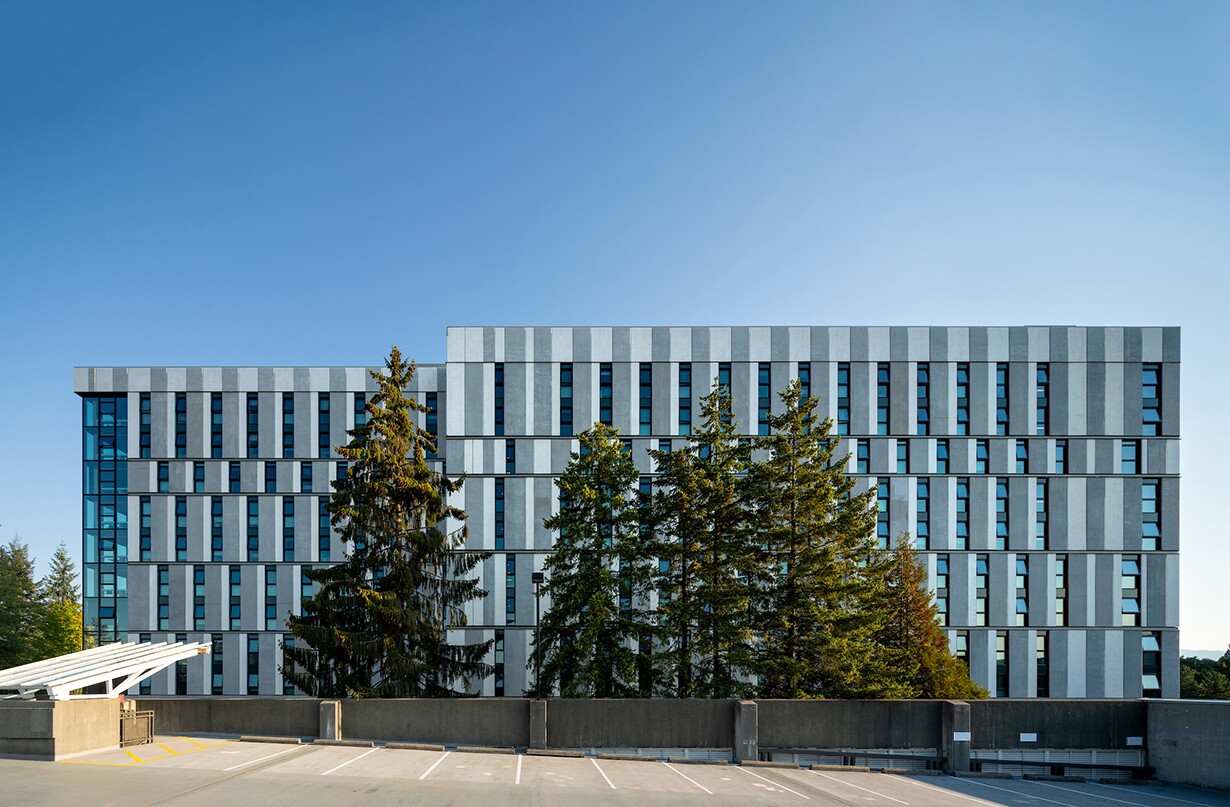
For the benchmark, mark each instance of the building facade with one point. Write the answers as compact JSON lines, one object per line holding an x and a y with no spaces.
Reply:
{"x":1036,"y":468}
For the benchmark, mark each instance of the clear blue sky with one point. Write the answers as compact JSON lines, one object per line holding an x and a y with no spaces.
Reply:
{"x":306,"y":183}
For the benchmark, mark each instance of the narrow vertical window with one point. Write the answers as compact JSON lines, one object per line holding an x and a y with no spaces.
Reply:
{"x":288,"y":425}
{"x":432,"y":419}
{"x":1001,"y":513}
{"x":510,"y":589}
{"x":962,"y":526}
{"x":565,"y":399}
{"x":164,"y":477}
{"x":271,"y":477}
{"x":181,"y":669}
{"x":1022,"y":456}
{"x":198,"y":598}
{"x":646,"y":399}
{"x":510,"y":456}
{"x":324,"y":440}
{"x":271,"y":598}
{"x":763,"y":393}
{"x":903,"y":456}
{"x":499,"y":513}
{"x":181,"y":528}
{"x":963,"y":398}
{"x":1061,"y":590}
{"x":498,"y":663}
{"x":981,"y":568}
{"x":882,"y":512}
{"x":1041,"y":521}
{"x":360,"y":409}
{"x":288,"y":528}
{"x":1151,"y":400}
{"x":863,"y":456}
{"x":215,"y":528}
{"x":1044,"y":399}
{"x":961,"y":647}
{"x":254,"y":425}
{"x":305,"y":585}
{"x":1043,"y":650}
{"x":146,"y":440}
{"x":1022,"y":590}
{"x":941,"y":587}
{"x":1130,"y":457}
{"x":1061,"y":456}
{"x":164,"y":597}
{"x":305,"y":477}
{"x":1001,"y":663}
{"x":181,"y":425}
{"x":982,"y":453}
{"x":198,"y":477}
{"x":1151,"y":664}
{"x":254,"y":665}
{"x":323,"y":528}
{"x":1001,"y":399}
{"x":843,"y":398}
{"x":606,"y":393}
{"x":146,"y":535}
{"x":1150,"y":514}
{"x":499,"y":398}
{"x":235,"y":594}
{"x":216,"y":655}
{"x":685,"y":398}
{"x":923,"y":539}
{"x":883,"y":393}
{"x":924,"y":398}
{"x":804,"y":380}
{"x":215,"y":425}
{"x":941,"y":456}
{"x":1130,"y":596}
{"x":254,"y":534}
{"x":288,"y":644}
{"x":233,"y":478}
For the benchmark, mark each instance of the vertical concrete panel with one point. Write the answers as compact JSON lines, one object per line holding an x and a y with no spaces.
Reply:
{"x":1170,"y":398}
{"x":1113,"y":537}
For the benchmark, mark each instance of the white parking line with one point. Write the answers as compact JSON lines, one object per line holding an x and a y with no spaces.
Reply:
{"x":1155,"y":795}
{"x":856,"y":787}
{"x":604,"y":776}
{"x":347,"y":762}
{"x":270,"y":756}
{"x":914,"y":781}
{"x":518,"y":779}
{"x":775,"y":784}
{"x":690,"y":779}
{"x":1093,"y":795}
{"x":434,"y":764}
{"x":1019,"y":793}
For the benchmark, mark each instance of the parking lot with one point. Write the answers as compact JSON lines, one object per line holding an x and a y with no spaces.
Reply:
{"x":212,"y":771}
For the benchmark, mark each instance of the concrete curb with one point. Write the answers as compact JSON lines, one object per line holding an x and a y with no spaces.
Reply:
{"x":1045,"y":777}
{"x":414,"y":747}
{"x":628,"y":757}
{"x":483,"y":749}
{"x":258,"y":738}
{"x":553,"y":752}
{"x":691,"y":761}
{"x":981,"y":775}
{"x":910,"y":772}
{"x":1137,"y":782}
{"x":844,"y":768}
{"x":755,"y":763}
{"x":347,"y":743}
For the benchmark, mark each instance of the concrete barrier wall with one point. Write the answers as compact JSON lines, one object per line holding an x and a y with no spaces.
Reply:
{"x":999,"y":723}
{"x":849,"y":724}
{"x":58,"y":729}
{"x":289,"y":717}
{"x":459,"y":721}
{"x":640,"y":723}
{"x":1189,"y":742}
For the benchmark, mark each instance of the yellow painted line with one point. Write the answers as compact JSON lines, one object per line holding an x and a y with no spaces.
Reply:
{"x":170,"y":751}
{"x":134,"y":756}
{"x":194,"y":742}
{"x":138,"y":760}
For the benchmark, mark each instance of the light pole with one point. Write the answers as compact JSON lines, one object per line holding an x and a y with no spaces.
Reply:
{"x":536,"y":578}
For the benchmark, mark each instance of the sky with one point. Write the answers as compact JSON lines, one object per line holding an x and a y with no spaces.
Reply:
{"x":307,"y":183}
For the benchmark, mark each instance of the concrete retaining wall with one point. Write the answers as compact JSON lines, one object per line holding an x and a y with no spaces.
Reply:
{"x":288,"y":717}
{"x":461,"y":721}
{"x":1105,"y":724}
{"x":640,"y":723}
{"x":58,"y":729}
{"x":1189,"y":742}
{"x":849,"y":724}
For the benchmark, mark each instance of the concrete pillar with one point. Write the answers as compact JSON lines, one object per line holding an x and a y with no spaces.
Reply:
{"x":747,"y":743}
{"x":330,"y":720}
{"x":955,"y":737}
{"x":538,"y":723}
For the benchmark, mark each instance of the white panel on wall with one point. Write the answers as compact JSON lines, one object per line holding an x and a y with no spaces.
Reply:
{"x":601,"y":344}
{"x":561,"y":344}
{"x":839,"y":345}
{"x":719,"y":344}
{"x":759,"y":344}
{"x":681,"y":344}
{"x":1151,"y":344}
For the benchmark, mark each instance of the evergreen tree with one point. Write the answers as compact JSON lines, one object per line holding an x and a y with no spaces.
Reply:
{"x":60,"y":629}
{"x":817,"y":593}
{"x":379,"y":625}
{"x":709,"y":565}
{"x":597,"y":576}
{"x":20,"y":606}
{"x":912,"y":641}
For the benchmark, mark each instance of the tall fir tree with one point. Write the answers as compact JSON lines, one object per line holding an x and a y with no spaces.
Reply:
{"x":597,"y":577}
{"x":60,"y":629}
{"x":709,"y":563}
{"x":819,"y":588}
{"x":379,"y":626}
{"x":911,"y":641}
{"x":20,"y":606}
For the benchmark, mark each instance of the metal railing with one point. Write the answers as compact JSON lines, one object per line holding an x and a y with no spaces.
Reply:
{"x":136,"y":728}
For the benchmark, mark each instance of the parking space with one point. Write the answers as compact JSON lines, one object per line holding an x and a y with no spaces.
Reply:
{"x":163,"y":748}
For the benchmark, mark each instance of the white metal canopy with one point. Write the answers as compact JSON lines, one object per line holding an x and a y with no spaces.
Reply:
{"x":118,"y":666}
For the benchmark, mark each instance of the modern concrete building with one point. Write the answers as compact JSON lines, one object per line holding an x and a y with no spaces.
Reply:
{"x":1036,"y":467}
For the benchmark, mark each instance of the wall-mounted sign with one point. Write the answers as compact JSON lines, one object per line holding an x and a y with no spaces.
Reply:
{"x":960,"y":736}
{"x":1029,"y":737}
